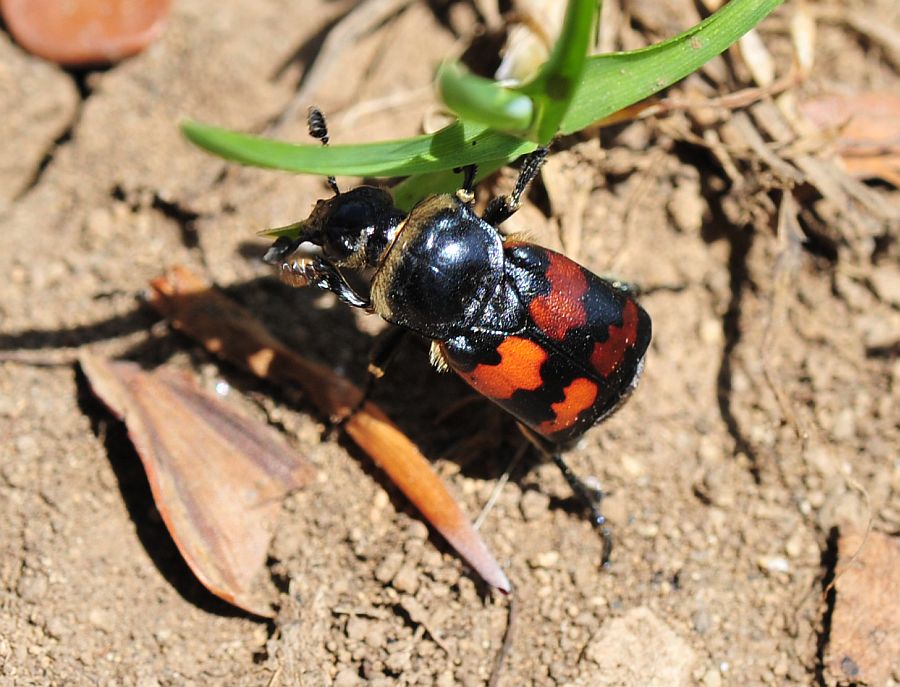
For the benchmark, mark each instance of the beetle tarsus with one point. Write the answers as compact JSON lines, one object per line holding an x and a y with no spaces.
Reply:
{"x":322,"y":274}
{"x":280,"y":250}
{"x":466,"y":193}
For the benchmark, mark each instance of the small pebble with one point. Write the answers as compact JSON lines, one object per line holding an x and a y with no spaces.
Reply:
{"x":32,"y":586}
{"x":389,"y":567}
{"x":701,"y":622}
{"x":711,"y":678}
{"x":356,"y":628}
{"x":545,"y":560}
{"x":774,"y":564}
{"x":534,"y":505}
{"x":346,"y":678}
{"x":406,"y":580}
{"x":399,"y":662}
{"x":417,"y":530}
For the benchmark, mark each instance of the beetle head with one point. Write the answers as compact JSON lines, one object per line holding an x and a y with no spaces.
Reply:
{"x":352,"y":228}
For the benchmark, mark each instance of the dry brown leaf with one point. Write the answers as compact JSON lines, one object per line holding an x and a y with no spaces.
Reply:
{"x":217,"y":477}
{"x":867,"y":127}
{"x":864,"y":644}
{"x":231,"y":332}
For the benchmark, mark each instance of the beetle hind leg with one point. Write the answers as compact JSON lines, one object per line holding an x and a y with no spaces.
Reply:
{"x":589,"y":496}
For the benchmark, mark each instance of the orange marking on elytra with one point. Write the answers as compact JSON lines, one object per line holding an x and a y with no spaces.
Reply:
{"x":561,"y":310}
{"x":606,"y":356}
{"x":519,"y":368}
{"x":579,"y":396}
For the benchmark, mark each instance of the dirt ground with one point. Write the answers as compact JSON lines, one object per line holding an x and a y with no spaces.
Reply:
{"x":766,"y":423}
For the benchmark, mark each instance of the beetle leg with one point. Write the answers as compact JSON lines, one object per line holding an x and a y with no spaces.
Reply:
{"x":466,"y":193}
{"x":588,"y":495}
{"x":502,"y":208}
{"x":591,"y":498}
{"x":380,"y":356}
{"x":319,"y":272}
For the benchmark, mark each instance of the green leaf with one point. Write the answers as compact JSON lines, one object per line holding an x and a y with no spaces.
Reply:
{"x":614,"y":81}
{"x":457,"y":145}
{"x":483,"y":100}
{"x":555,"y":84}
{"x":607,"y":84}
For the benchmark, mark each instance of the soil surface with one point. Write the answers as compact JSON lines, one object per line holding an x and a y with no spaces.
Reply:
{"x":765,"y":425}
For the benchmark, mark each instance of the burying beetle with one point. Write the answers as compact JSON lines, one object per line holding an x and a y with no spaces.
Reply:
{"x":548,"y":341}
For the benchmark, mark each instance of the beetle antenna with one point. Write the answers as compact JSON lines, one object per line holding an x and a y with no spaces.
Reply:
{"x":318,"y":128}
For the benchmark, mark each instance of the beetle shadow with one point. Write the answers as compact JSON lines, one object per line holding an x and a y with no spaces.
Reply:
{"x":412,"y":393}
{"x":438,"y":412}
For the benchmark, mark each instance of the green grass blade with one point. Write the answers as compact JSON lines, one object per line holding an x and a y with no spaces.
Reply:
{"x":556,"y":84}
{"x":613,"y":81}
{"x":459,"y":144}
{"x":608,"y":83}
{"x":483,"y":100}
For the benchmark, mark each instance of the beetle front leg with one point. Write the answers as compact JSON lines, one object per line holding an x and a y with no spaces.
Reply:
{"x":318,"y":272}
{"x":502,"y":208}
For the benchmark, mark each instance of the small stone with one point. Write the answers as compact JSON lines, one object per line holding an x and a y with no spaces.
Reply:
{"x":701,"y":621}
{"x":356,"y":628}
{"x":27,"y":446}
{"x":886,"y":282}
{"x":32,"y":586}
{"x":57,"y":628}
{"x":417,"y":530}
{"x":101,"y":619}
{"x":865,"y":628}
{"x":545,"y":560}
{"x":711,"y":678}
{"x":794,"y":545}
{"x":844,"y":428}
{"x":849,"y":667}
{"x":406,"y":580}
{"x":389,"y":567}
{"x":686,"y":206}
{"x":399,"y":662}
{"x":774,"y":564}
{"x":346,"y":678}
{"x":711,"y":332}
{"x":163,"y":637}
{"x":534,"y":505}
{"x":619,"y":648}
{"x":376,"y":635}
